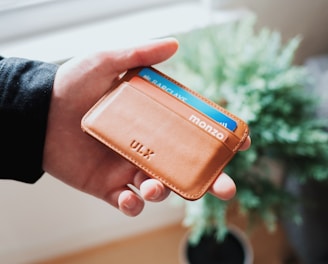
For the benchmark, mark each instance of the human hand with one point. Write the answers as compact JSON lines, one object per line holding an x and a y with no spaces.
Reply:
{"x":82,"y":162}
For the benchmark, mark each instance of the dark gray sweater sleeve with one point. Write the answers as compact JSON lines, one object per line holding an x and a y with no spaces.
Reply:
{"x":25,"y":93}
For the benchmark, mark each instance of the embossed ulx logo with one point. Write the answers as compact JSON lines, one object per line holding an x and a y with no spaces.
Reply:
{"x":142,"y":150}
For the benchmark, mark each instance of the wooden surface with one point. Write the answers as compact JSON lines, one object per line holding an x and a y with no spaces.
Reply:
{"x":163,"y":247}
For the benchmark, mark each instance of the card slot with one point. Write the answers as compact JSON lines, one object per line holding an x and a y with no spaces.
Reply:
{"x":159,"y":141}
{"x":194,"y":116}
{"x":154,"y":76}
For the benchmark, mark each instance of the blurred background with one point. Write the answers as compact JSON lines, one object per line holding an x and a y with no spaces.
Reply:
{"x":49,"y":222}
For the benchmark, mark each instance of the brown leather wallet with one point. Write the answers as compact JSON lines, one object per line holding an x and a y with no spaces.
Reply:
{"x":170,"y":132}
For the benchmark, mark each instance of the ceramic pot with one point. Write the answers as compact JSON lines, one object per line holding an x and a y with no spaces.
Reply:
{"x":309,"y":239}
{"x":235,"y":249}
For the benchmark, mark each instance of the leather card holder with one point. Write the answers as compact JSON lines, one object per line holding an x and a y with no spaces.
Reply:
{"x":162,"y":135}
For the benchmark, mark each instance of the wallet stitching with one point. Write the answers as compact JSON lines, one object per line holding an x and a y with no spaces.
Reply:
{"x":234,"y":147}
{"x":173,"y":187}
{"x":205,"y":186}
{"x":244,"y":127}
{"x":196,"y":195}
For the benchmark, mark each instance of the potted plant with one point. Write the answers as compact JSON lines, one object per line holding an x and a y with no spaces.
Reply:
{"x":310,"y":239}
{"x":251,"y":73}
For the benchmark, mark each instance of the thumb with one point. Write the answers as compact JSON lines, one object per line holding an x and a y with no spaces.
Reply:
{"x":153,"y":52}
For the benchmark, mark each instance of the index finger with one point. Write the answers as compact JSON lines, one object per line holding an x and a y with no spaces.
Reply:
{"x":246,"y":144}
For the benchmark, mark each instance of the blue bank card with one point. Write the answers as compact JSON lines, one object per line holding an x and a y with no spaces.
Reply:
{"x":187,"y":97}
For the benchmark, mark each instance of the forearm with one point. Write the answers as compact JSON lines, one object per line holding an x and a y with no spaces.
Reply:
{"x":25,"y":93}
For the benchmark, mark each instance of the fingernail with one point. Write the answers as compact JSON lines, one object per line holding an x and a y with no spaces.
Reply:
{"x":156,"y":193}
{"x":130,"y":203}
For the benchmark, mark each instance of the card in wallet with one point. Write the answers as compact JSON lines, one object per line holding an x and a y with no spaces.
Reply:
{"x":167,"y":130}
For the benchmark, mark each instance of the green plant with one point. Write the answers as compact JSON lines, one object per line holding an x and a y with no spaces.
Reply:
{"x":252,"y":74}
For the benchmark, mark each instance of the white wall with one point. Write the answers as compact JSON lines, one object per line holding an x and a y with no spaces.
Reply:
{"x":294,"y":17}
{"x":49,"y":218}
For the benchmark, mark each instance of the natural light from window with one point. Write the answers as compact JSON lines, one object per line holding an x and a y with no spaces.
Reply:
{"x":30,"y":17}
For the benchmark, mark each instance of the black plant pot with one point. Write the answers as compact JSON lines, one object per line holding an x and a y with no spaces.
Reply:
{"x":235,"y":249}
{"x":310,"y":239}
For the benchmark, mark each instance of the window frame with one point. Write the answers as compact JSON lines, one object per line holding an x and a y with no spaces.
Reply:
{"x":41,"y":17}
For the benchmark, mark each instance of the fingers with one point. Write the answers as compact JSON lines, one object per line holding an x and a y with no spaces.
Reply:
{"x":246,"y":144}
{"x":150,"y":189}
{"x":224,"y":187}
{"x":153,"y":190}
{"x":131,"y":202}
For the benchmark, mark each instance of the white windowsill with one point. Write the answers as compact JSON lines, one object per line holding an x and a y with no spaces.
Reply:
{"x":117,"y":32}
